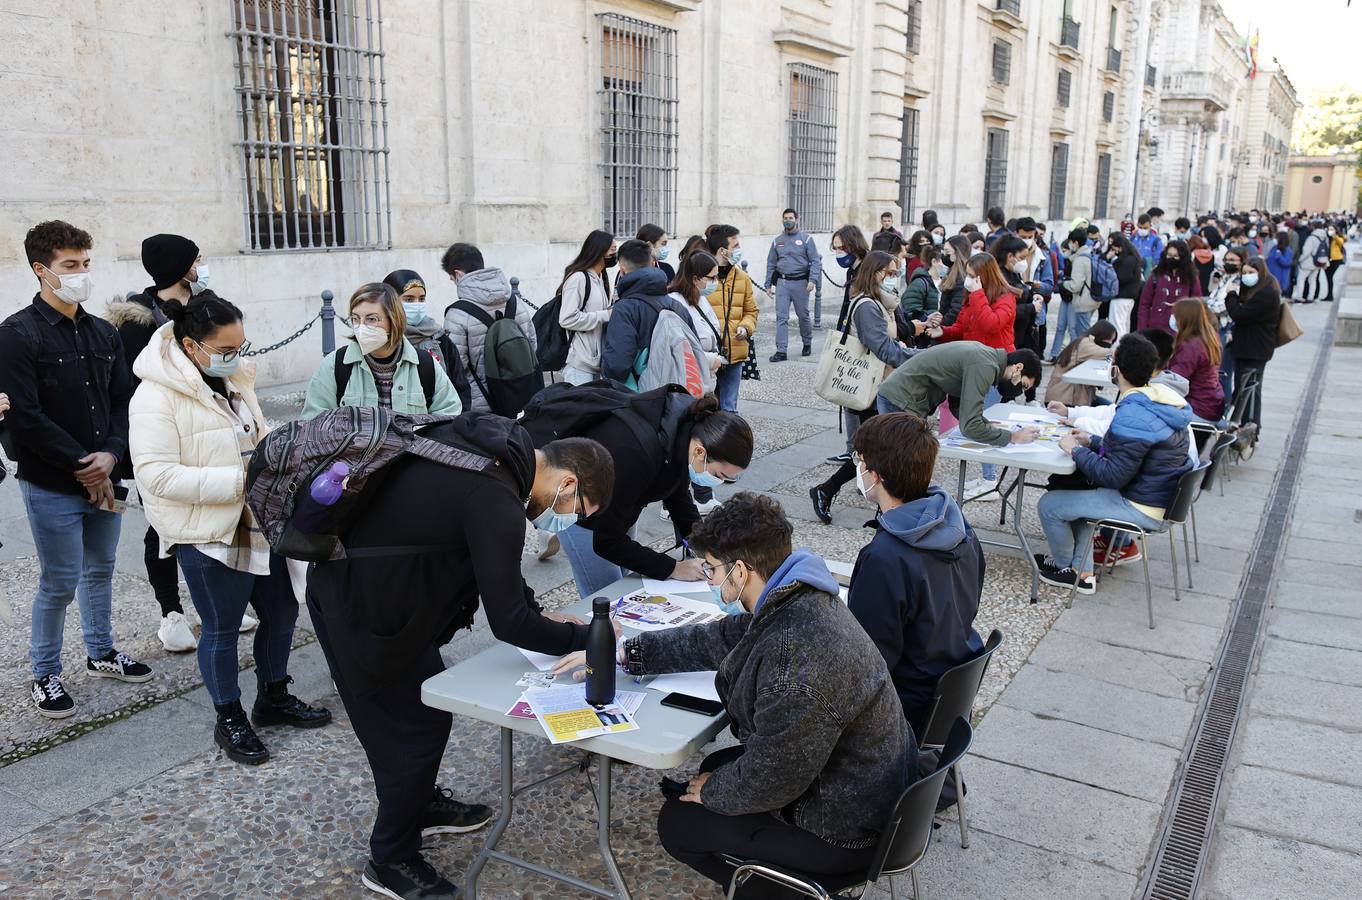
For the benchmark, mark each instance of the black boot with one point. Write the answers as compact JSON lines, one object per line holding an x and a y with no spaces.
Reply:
{"x":778,"y":356}
{"x":807,"y":351}
{"x":822,"y":503}
{"x":236,"y":737}
{"x":274,"y":705}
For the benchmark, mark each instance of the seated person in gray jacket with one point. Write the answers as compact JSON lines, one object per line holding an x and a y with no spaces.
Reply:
{"x":825,"y":750}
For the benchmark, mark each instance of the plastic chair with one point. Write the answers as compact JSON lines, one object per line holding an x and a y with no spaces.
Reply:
{"x":1217,"y":457}
{"x":953,"y":699}
{"x":1179,"y":510}
{"x":903,"y":842}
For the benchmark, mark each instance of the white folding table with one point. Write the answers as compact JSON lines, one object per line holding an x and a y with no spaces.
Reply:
{"x":1093,"y":372}
{"x":1051,"y":461}
{"x":484,"y":687}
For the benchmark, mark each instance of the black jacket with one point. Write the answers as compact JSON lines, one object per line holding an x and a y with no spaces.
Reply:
{"x":381,"y":611}
{"x":915,"y":590}
{"x":1025,"y":321}
{"x":1255,"y":312}
{"x":952,"y":301}
{"x":69,"y":388}
{"x":642,"y":294}
{"x":1129,"y":275}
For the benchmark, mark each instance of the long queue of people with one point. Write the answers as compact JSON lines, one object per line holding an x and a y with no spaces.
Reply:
{"x":162,"y":395}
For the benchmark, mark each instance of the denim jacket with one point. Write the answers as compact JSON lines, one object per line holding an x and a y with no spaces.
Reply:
{"x":827,"y":746}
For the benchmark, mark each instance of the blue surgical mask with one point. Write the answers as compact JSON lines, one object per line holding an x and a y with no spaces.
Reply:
{"x":845,"y":260}
{"x":734,"y":608}
{"x":554,"y":522}
{"x":704,"y":478}
{"x":1250,"y":278}
{"x":663,"y":253}
{"x":709,"y":288}
{"x":216,"y":368}
{"x":200,"y":282}
{"x":416,"y":312}
{"x":735,"y":256}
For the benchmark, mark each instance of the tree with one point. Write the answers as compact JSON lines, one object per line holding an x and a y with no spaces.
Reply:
{"x":1331,"y":122}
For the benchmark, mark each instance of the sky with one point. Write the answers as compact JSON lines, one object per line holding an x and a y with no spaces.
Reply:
{"x":1316,"y":41}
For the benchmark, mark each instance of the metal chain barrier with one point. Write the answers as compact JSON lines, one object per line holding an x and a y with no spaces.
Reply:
{"x":286,"y":341}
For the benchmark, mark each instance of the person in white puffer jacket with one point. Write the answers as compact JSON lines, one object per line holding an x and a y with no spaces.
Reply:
{"x":193,"y":424}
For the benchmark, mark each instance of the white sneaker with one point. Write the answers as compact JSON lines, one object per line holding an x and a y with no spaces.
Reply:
{"x":708,"y":506}
{"x":982,"y":489}
{"x":532,"y":545}
{"x":665,"y":514}
{"x":248,"y":623}
{"x":551,"y":548}
{"x":175,"y":634}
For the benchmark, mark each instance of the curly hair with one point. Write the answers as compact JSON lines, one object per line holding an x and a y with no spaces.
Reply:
{"x":44,"y":240}
{"x":749,"y":527}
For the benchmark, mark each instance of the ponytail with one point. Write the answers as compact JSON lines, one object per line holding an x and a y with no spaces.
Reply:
{"x":725,"y":435}
{"x":200,"y":317}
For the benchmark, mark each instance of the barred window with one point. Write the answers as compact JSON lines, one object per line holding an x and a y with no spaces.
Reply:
{"x":1065,"y":88}
{"x":314,"y":127}
{"x":995,"y":169}
{"x":1108,"y":106}
{"x":1099,"y":206}
{"x":813,"y":144}
{"x":914,"y":26}
{"x":1059,"y":179}
{"x":908,"y":163}
{"x":638,"y":124}
{"x":1002,"y":61}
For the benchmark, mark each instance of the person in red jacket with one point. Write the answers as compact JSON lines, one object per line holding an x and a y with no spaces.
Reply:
{"x":988,"y":316}
{"x":1174,"y":278}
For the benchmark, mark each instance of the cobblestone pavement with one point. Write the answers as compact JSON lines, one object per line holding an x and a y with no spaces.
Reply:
{"x":174,"y":818}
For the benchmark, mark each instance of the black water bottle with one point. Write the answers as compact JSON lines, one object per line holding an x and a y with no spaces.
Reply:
{"x":600,"y":655}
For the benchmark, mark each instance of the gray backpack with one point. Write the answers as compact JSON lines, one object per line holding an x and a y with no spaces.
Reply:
{"x":673,"y":356}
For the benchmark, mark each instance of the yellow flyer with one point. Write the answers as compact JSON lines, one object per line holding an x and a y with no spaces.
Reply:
{"x":565,"y":715}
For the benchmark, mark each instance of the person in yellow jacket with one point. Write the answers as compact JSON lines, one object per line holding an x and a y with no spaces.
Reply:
{"x":1336,"y":257}
{"x":736,"y":309}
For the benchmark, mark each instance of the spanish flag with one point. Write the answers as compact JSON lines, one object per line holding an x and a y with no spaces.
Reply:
{"x":1250,"y":49}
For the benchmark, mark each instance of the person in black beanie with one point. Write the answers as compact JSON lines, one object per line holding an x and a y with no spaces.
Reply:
{"x":177,"y":272}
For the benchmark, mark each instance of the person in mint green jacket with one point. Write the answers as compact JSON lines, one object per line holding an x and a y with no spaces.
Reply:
{"x":377,"y":366}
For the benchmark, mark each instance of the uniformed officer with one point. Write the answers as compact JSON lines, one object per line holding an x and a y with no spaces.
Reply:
{"x":796,"y":270}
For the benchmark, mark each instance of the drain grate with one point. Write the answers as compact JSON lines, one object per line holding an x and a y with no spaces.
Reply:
{"x":1189,"y":819}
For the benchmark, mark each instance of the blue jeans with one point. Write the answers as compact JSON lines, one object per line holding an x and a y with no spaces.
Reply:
{"x":220,"y":596}
{"x":1075,"y":323}
{"x":77,"y":544}
{"x":884,"y":406}
{"x":1066,"y":517}
{"x":591,"y":572}
{"x":990,"y":471}
{"x":729,"y":380}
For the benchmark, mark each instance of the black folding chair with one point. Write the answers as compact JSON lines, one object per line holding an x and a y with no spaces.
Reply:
{"x":954,"y":699}
{"x":903,"y":842}
{"x":1246,"y":434}
{"x":1216,"y":460}
{"x":1177,"y":514}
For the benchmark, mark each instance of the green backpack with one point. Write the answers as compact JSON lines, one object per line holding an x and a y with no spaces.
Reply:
{"x":509,"y":363}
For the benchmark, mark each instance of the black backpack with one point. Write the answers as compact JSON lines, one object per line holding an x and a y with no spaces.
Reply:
{"x":553,"y":339}
{"x":509,"y":364}
{"x":564,"y":410}
{"x":425,"y":367}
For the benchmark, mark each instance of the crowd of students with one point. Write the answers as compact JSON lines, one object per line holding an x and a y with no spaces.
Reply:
{"x":161,"y":394}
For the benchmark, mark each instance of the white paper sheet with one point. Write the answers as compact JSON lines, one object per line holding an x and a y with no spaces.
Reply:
{"x":565,"y":715}
{"x":541,"y":661}
{"x":694,"y":684}
{"x":675,"y":586}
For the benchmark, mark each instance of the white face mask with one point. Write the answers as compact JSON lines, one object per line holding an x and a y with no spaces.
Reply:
{"x":861,"y":486}
{"x":1020,"y":266}
{"x":1029,"y":242}
{"x":972,"y":284}
{"x":200,"y":282}
{"x":371,"y":338}
{"x":938,"y":239}
{"x":73,"y":289}
{"x":1250,"y":278}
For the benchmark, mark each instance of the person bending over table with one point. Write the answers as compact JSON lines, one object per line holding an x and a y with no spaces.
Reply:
{"x":1135,"y":467}
{"x":964,"y":372}
{"x":825,"y":749}
{"x":455,"y":536}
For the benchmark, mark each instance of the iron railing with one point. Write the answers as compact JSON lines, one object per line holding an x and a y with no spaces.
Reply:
{"x":1068,"y":33}
{"x":1113,"y":59}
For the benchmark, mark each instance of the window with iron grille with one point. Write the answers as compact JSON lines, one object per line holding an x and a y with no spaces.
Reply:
{"x":1065,"y":89}
{"x":1099,"y":206}
{"x":813,"y":144}
{"x":914,"y":26}
{"x":313,"y":124}
{"x":1108,"y":106}
{"x":908,"y":164}
{"x":1059,"y":179}
{"x":995,"y":168}
{"x":638,"y":124}
{"x":1002,"y":61}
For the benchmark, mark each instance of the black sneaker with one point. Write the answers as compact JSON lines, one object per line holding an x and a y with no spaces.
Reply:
{"x":414,"y":879}
{"x":274,"y":705}
{"x":1063,"y":576}
{"x":778,"y":356}
{"x":840,"y":459}
{"x":50,"y":696}
{"x":118,"y":666}
{"x":445,"y":815}
{"x":807,"y":351}
{"x":822,"y":504}
{"x":237,"y":738}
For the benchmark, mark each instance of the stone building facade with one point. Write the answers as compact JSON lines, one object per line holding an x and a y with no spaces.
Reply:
{"x":318,"y":144}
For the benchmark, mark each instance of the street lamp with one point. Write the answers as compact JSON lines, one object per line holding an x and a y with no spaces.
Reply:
{"x":1149,"y":120}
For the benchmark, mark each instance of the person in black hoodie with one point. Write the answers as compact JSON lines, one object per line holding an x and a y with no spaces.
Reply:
{"x":663,"y":441}
{"x":916,"y":586}
{"x":1012,"y":256}
{"x":177,"y":273}
{"x":642,"y":293}
{"x":381,"y":619}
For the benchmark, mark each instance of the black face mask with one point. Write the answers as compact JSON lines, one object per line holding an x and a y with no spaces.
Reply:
{"x":610,"y":261}
{"x":1231,"y":268}
{"x":1008,"y":390}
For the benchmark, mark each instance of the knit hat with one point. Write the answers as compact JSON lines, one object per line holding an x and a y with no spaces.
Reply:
{"x":168,"y":258}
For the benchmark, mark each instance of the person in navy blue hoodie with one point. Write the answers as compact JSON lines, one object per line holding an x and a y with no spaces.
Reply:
{"x":916,"y":586}
{"x":642,"y":293}
{"x":1136,"y":466}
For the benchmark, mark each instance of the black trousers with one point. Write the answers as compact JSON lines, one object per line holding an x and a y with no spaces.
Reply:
{"x":697,"y":836}
{"x":1242,"y":367}
{"x":847,"y":471}
{"x":162,"y":573}
{"x":403,"y":738}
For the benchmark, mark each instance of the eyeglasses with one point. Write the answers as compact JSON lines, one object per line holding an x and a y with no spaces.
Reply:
{"x":708,"y":571}
{"x":373,"y":320}
{"x":227,"y":355}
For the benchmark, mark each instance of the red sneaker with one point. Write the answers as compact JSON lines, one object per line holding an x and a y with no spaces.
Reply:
{"x":1130,"y":553}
